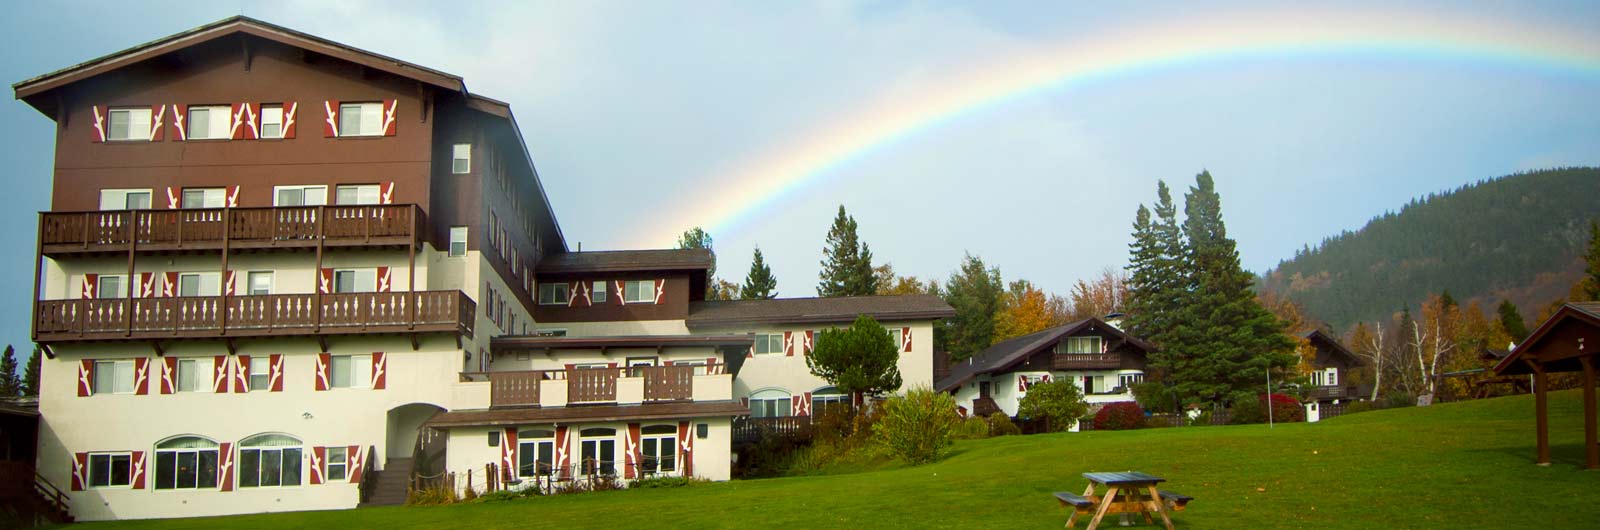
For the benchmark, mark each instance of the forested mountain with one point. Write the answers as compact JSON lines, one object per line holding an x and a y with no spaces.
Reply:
{"x":1518,"y":237}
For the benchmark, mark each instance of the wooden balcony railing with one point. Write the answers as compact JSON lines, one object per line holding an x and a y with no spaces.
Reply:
{"x":1085,"y":361}
{"x":592,"y":385}
{"x":514,"y":388}
{"x":667,"y":383}
{"x":255,"y":315}
{"x":747,"y":429}
{"x":1327,"y":392}
{"x":239,"y":228}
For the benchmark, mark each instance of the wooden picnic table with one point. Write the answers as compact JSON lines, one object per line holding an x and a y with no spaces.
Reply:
{"x":1126,"y":493}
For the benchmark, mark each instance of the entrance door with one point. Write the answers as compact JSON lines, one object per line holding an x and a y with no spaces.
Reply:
{"x":983,"y":389}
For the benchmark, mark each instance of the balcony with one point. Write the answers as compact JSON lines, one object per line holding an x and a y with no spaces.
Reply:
{"x":1320,"y":393}
{"x":101,"y":232}
{"x":1086,"y":361}
{"x":596,"y":386}
{"x":253,"y":316}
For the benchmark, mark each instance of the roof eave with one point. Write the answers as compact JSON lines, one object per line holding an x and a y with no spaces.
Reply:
{"x":693,"y":322}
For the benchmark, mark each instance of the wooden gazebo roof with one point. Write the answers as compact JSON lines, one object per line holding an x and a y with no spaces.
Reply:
{"x":1567,"y":342}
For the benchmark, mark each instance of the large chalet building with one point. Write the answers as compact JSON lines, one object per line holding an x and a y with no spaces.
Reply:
{"x":275,"y":267}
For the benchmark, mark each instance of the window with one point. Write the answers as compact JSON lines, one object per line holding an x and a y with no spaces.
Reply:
{"x":639,"y":292}
{"x":337,"y":463}
{"x":260,"y":373}
{"x":271,"y":121}
{"x":194,"y":375}
{"x":356,"y":194}
{"x":1079,"y":345}
{"x":828,"y":398}
{"x":355,"y":280}
{"x":299,"y":195}
{"x":204,"y":197}
{"x":189,"y":462}
{"x":1325,"y":377}
{"x":360,"y":119}
{"x":598,"y":451}
{"x":260,"y":282}
{"x":113,"y":377}
{"x":636,"y":365}
{"x":597,"y":292}
{"x":894,"y":337}
{"x":1094,"y":384}
{"x":111,"y":286}
{"x":660,"y":449}
{"x":461,"y":159}
{"x":210,"y":122}
{"x":458,"y":241}
{"x":769,"y":343}
{"x":1126,"y":381}
{"x":199,"y":284}
{"x":769,"y":404}
{"x":125,"y":199}
{"x":110,"y":469}
{"x":536,"y":451}
{"x":129,"y":124}
{"x":553,"y":293}
{"x":550,"y":333}
{"x":268,"y":460}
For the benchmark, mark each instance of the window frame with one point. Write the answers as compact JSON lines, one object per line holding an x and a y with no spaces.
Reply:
{"x":226,"y":132}
{"x":772,"y":341}
{"x":358,"y":277}
{"x":766,"y":403}
{"x":365,"y":194}
{"x":665,"y":450}
{"x":208,"y":196}
{"x":250,"y":278}
{"x":260,"y":367}
{"x":633,"y":292}
{"x":121,"y":290}
{"x":200,"y":283}
{"x":564,"y":290}
{"x":199,"y":465}
{"x":123,"y":194}
{"x":299,"y":461}
{"x":119,"y":370}
{"x":539,"y":446}
{"x":328,"y":463}
{"x":1069,"y":344}
{"x":302,"y":189}
{"x":143,"y":133}
{"x":602,"y":466}
{"x":598,"y":294}
{"x":261,"y":122}
{"x":198,"y":374}
{"x":364,"y":110}
{"x":464,"y":232}
{"x":456,"y":156}
{"x":111,"y":476}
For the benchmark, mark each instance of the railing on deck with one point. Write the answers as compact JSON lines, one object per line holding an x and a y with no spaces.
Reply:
{"x":208,"y":228}
{"x":748,"y":429}
{"x":592,"y":385}
{"x":516,"y":388}
{"x":667,"y":383}
{"x":1090,"y":361}
{"x":253,"y":315}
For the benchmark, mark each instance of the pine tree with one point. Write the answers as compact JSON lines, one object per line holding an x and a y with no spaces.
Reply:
{"x":10,"y":384}
{"x":975,"y":292}
{"x":759,"y":283}
{"x":1160,"y":276}
{"x":1590,"y":285}
{"x":847,"y":262}
{"x":1511,"y":321}
{"x":30,"y":376}
{"x":698,"y":238}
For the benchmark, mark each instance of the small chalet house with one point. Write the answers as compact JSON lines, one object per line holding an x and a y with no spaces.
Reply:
{"x":1330,"y":369}
{"x":1102,"y":360}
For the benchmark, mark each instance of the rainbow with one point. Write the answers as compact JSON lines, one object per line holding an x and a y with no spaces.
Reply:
{"x":1258,"y":34}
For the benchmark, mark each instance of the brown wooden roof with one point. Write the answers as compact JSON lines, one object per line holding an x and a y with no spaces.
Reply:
{"x":1571,"y":333}
{"x":1005,"y":354}
{"x":1325,"y":341}
{"x":530,"y":342}
{"x":627,"y":260}
{"x":714,"y":313}
{"x":595,"y":413}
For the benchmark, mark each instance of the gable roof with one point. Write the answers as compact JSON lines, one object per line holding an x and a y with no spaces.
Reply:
{"x":839,"y":309}
{"x":1007,"y":353}
{"x":1583,"y":312}
{"x":1317,"y":336}
{"x":230,"y":26}
{"x":689,"y":259}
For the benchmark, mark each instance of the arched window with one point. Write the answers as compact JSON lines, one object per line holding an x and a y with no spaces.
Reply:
{"x":659,"y":446}
{"x":186,"y":462}
{"x":771,"y":403}
{"x":268,"y":460}
{"x":827,"y":398}
{"x":598,"y":450}
{"x":536,"y":449}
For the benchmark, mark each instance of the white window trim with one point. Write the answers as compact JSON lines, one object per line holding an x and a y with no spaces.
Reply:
{"x":122,"y":193}
{"x":767,"y":339}
{"x":204,"y":369}
{"x":366,"y":194}
{"x":641,"y":283}
{"x":376,"y":113}
{"x":455,"y":156}
{"x":450,"y":247}
{"x":261,"y":122}
{"x":360,"y":372}
{"x":302,"y":188}
{"x":360,"y":286}
{"x":88,"y":478}
{"x":224,"y":132}
{"x":142,"y":129}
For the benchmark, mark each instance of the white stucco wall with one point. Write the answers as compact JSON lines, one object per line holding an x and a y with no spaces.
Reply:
{"x":790,"y":373}
{"x":469,"y":451}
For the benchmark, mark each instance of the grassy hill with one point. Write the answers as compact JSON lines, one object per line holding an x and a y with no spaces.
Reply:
{"x":1455,"y":465}
{"x":1517,"y":237}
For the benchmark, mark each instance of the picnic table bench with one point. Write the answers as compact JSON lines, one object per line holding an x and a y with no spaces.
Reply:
{"x":1127,"y":493}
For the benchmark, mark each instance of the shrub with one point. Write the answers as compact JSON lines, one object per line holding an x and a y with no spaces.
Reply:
{"x":507,"y":495}
{"x":1246,"y":409}
{"x":1001,"y":425}
{"x":1154,"y":396}
{"x":1202,"y":419}
{"x":972,"y":429}
{"x":1398,"y":400}
{"x":1119,"y":416}
{"x":469,"y":495}
{"x":431,"y":497}
{"x":1059,"y":402}
{"x":667,"y":482}
{"x":917,"y":427}
{"x":1359,"y":406}
{"x":1286,"y":409}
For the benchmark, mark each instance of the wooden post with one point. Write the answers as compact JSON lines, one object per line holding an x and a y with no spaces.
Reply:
{"x":1541,"y":411}
{"x":227,"y":237}
{"x":38,"y":272}
{"x":411,"y":273}
{"x":322,"y":221}
{"x":130,"y":283}
{"x":1591,"y":440}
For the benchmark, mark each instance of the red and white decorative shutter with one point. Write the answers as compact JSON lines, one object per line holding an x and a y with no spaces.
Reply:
{"x":1044,"y":378}
{"x":745,"y":401}
{"x":169,"y":375}
{"x":750,"y":353}
{"x":563,"y":457}
{"x":90,"y":282}
{"x":796,"y":406}
{"x":905,"y":339}
{"x":389,"y":106}
{"x":808,"y":403}
{"x":621,"y":290}
{"x":141,"y":376}
{"x":630,"y":453}
{"x":323,"y":360}
{"x":219,"y":380}
{"x":86,"y":378}
{"x":661,"y":291}
{"x":137,"y":463}
{"x":158,"y":122}
{"x":788,"y":344}
{"x":102,"y":119}
{"x":686,"y":442}
{"x":386,"y":192}
{"x":237,"y":124}
{"x":173,"y":198}
{"x":180,"y":113}
{"x":1022,"y":384}
{"x":225,"y":466}
{"x":319,"y":455}
{"x":383,"y":280}
{"x":233,"y":196}
{"x":169,"y":284}
{"x":355,"y":462}
{"x":712,"y":367}
{"x":508,"y":453}
{"x":80,"y":471}
{"x":252,"y":121}
{"x":241,"y":375}
{"x":147,"y":285}
{"x":380,"y":370}
{"x":330,"y":126}
{"x":228,"y":282}
{"x":810,"y":342}
{"x":275,"y":372}
{"x":288,"y":118}
{"x":325,"y":281}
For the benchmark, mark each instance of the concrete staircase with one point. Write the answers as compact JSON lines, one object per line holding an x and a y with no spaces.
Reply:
{"x":392,"y":484}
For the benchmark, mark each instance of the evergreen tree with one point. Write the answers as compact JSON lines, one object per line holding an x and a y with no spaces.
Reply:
{"x":759,"y":283}
{"x":30,"y":376}
{"x":698,"y":238}
{"x":847,"y":262}
{"x":10,"y":383}
{"x":975,"y":291}
{"x":1225,"y":341}
{"x":1160,"y":275}
{"x":860,"y":359}
{"x":1590,"y":285}
{"x":1511,"y":321}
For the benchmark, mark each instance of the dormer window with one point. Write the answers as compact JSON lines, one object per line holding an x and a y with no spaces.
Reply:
{"x":1079,"y":345}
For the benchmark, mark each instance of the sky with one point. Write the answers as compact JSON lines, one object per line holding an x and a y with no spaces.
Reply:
{"x":1023,"y":133}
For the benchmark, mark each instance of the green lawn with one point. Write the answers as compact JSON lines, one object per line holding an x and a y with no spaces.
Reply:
{"x":1458,"y":465}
